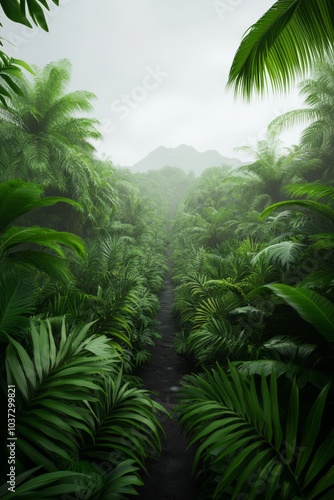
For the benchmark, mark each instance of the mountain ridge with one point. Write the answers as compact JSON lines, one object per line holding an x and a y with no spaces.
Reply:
{"x":185,"y":157}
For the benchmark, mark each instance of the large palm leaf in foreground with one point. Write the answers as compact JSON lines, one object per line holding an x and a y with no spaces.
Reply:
{"x":247,"y":443}
{"x":52,"y":382}
{"x":283,"y":44}
{"x":76,"y":374}
{"x":117,"y":484}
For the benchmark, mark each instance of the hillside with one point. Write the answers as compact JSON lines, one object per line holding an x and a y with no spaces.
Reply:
{"x":185,"y":157}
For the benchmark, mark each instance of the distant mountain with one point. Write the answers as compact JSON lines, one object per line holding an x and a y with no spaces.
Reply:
{"x":185,"y":157}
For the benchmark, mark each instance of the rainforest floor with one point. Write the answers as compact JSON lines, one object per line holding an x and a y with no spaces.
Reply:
{"x":170,"y":475}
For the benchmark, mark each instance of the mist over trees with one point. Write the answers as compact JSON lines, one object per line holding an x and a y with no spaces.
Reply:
{"x":84,"y":251}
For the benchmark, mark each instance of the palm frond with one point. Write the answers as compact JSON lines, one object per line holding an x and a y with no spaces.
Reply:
{"x":47,"y":486}
{"x":118,"y":484}
{"x":322,"y":241}
{"x":290,"y":357}
{"x":217,"y":341}
{"x":10,"y":72}
{"x":18,"y":197}
{"x":30,"y":260}
{"x":17,"y":11}
{"x":52,"y":382}
{"x":284,"y":254}
{"x":290,"y":119}
{"x":314,"y":191}
{"x":241,"y":432}
{"x":48,"y":238}
{"x":125,"y":423}
{"x":282,"y":44}
{"x":315,"y":206}
{"x":311,"y":306}
{"x":16,"y":305}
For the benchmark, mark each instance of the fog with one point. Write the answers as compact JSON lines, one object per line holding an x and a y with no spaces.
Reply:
{"x":159,"y":71}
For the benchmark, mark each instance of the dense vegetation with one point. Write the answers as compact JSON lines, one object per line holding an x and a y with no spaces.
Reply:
{"x":253,"y":266}
{"x":82,"y":262}
{"x":83,"y":258}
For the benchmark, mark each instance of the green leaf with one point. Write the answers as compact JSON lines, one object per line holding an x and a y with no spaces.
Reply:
{"x":261,"y":443}
{"x":282,"y":44}
{"x":311,"y":430}
{"x":284,"y":253}
{"x":315,"y":206}
{"x":12,"y":10}
{"x":311,"y":306}
{"x":16,"y":305}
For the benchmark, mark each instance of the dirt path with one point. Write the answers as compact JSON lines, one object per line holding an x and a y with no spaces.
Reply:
{"x":170,"y":476}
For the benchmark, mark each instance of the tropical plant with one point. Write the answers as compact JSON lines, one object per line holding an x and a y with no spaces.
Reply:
{"x":45,"y":381}
{"x":23,"y":250}
{"x":19,"y":198}
{"x":20,"y":10}
{"x":293,"y":358}
{"x":11,"y":68}
{"x":247,"y":445}
{"x":78,"y":374}
{"x":49,"y":144}
{"x":10,"y":71}
{"x":17,"y":303}
{"x":317,"y":139}
{"x":233,"y":302}
{"x":322,"y":234}
{"x":283,"y":44}
{"x":272,"y":169}
{"x":311,"y":306}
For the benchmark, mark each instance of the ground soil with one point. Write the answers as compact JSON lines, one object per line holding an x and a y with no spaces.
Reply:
{"x":170,"y":475}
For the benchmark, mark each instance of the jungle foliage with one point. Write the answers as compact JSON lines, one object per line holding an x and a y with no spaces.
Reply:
{"x":254,"y":276}
{"x":82,"y":259}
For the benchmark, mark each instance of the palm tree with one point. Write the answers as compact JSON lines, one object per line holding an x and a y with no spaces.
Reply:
{"x":273,"y":167}
{"x":283,"y":44}
{"x":135,"y":210}
{"x":317,"y":140}
{"x":317,"y":225}
{"x":47,"y":142}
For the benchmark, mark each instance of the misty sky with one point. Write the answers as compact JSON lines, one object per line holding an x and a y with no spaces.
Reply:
{"x":159,"y":70}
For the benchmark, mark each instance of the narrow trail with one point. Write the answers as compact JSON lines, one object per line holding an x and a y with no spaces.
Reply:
{"x":170,"y":476}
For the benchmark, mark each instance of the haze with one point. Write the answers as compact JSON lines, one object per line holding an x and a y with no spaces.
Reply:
{"x":159,"y":71}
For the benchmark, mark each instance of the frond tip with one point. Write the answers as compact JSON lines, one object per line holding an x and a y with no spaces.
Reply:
{"x":282,"y":45}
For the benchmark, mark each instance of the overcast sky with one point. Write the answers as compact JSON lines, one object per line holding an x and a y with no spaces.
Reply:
{"x":159,"y":70}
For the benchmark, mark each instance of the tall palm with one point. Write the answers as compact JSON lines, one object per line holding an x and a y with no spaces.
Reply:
{"x":317,"y":140}
{"x":48,"y":142}
{"x":283,"y":44}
